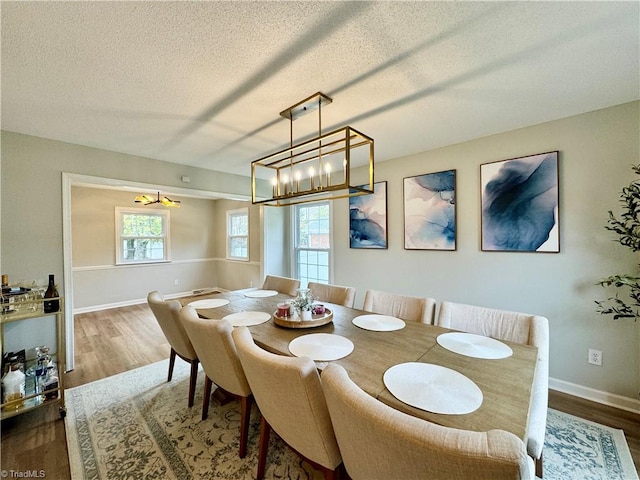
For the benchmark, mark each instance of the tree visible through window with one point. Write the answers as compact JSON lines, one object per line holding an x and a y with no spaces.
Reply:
{"x":143,"y":235}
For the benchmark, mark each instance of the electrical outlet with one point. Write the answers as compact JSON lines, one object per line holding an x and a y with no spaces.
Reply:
{"x":595,"y":357}
{"x":176,"y":282}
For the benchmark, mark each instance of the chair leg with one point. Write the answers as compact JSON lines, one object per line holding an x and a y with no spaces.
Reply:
{"x":538,"y":462}
{"x":207,"y":396}
{"x":330,"y":474}
{"x":265,"y":431}
{"x":172,"y":362}
{"x":193,"y":380}
{"x":245,"y":412}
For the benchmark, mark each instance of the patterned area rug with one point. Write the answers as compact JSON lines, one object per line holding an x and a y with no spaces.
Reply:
{"x":136,"y":425}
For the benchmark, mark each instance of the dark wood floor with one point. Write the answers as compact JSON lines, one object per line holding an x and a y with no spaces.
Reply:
{"x":117,"y":340}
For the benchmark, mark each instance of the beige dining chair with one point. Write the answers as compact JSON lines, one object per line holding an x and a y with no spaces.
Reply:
{"x":285,"y":285}
{"x":289,"y":395}
{"x":513,"y":327}
{"x":212,"y":342}
{"x":420,"y":309}
{"x":323,"y":292}
{"x":378,"y":442}
{"x":167,"y":314}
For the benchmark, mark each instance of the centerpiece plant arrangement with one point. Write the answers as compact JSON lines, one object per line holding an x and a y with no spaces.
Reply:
{"x":303,"y":303}
{"x":627,"y":227}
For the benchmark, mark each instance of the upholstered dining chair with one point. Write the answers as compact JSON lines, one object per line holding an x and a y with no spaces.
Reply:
{"x":378,"y":442}
{"x":212,"y":342}
{"x":421,"y":309}
{"x":289,"y":395}
{"x":513,"y":327}
{"x":323,"y":292}
{"x":168,"y":315}
{"x":285,"y":285}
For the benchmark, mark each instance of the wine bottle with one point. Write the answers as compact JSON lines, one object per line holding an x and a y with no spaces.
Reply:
{"x":51,"y":306}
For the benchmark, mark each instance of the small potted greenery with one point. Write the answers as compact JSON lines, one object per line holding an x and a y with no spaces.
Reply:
{"x":303,"y":304}
{"x":627,"y":227}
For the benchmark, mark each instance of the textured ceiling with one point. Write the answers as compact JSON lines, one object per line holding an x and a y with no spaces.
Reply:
{"x":202,"y":83}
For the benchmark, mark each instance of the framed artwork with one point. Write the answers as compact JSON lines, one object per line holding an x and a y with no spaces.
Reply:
{"x":430,"y":211}
{"x":520,"y":204}
{"x":368,"y":218}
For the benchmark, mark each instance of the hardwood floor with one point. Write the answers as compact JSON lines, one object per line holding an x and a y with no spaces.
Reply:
{"x":113,"y":341}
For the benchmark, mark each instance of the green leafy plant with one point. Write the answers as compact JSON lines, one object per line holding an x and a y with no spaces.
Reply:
{"x":304,"y":300}
{"x":627,"y":227}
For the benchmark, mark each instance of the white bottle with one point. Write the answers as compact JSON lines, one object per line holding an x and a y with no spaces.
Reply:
{"x":13,"y":387}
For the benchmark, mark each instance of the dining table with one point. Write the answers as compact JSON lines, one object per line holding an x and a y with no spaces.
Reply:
{"x":505,"y":383}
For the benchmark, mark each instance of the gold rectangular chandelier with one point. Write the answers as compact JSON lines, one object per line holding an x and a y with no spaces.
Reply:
{"x":316,"y":169}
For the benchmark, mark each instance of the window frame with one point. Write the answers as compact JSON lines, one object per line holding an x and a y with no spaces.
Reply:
{"x":295,"y":235}
{"x":120,"y":212}
{"x":230,"y":214}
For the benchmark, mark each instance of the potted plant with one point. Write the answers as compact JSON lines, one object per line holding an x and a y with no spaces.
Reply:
{"x":627,"y":227}
{"x":303,"y":303}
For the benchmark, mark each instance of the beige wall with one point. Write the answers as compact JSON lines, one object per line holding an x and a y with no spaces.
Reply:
{"x":235,"y":274}
{"x":32,"y":167}
{"x":596,"y":152}
{"x":99,"y":282}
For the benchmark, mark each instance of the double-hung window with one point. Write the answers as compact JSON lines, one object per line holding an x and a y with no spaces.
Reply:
{"x":238,"y":234}
{"x":312,"y":242}
{"x":142,"y":236}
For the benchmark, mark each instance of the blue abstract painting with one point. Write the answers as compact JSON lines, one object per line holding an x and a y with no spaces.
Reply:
{"x":430,"y":211}
{"x":520,"y":204}
{"x":368,"y":218}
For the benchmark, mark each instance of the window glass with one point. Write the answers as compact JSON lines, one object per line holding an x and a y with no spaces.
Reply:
{"x":312,"y":242}
{"x":143,"y":235}
{"x":238,"y":234}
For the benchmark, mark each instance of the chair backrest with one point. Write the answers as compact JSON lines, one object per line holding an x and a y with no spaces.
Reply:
{"x":168,"y":315}
{"x":212,"y":342}
{"x":344,"y":296}
{"x":513,"y":327}
{"x":420,"y":309}
{"x":379,"y":442}
{"x":285,"y":285}
{"x":289,"y":394}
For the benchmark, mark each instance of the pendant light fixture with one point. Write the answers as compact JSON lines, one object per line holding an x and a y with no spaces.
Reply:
{"x":149,"y":200}
{"x":316,"y":169}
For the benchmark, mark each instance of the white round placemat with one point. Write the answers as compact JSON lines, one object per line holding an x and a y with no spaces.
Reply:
{"x":433,"y":388}
{"x":209,"y":303}
{"x":321,"y":347}
{"x":473,"y":345}
{"x":260,"y":293}
{"x":378,"y":323}
{"x":247,"y":318}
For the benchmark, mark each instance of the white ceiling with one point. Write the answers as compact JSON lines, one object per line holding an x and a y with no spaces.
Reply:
{"x":202,"y":83}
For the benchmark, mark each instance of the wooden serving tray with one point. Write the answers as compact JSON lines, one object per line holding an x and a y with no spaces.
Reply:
{"x":316,"y":320}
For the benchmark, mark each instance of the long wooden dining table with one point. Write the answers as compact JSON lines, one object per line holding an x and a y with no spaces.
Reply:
{"x":505,"y":383}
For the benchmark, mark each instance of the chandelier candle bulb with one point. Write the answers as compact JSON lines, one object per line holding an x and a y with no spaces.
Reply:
{"x":327,"y":169}
{"x":274,"y":184}
{"x":298,"y":177}
{"x":311,"y":175}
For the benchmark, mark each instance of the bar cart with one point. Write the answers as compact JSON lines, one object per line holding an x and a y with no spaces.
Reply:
{"x":17,"y":306}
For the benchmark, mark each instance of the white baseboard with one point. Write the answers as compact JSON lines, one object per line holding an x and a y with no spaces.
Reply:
{"x":138,"y":301}
{"x":613,"y":400}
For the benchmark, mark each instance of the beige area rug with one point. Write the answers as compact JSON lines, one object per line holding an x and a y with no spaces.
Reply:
{"x":137,"y":426}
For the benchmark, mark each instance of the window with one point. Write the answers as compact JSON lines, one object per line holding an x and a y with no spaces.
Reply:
{"x":238,"y":234}
{"x":312,"y":242}
{"x":142,"y":235}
